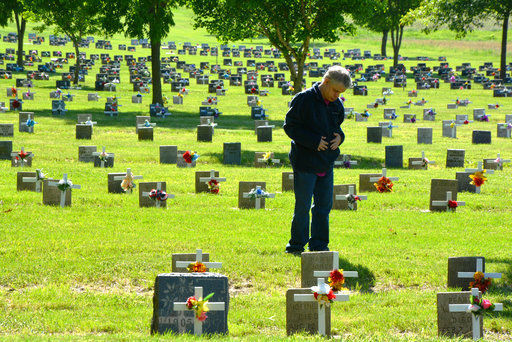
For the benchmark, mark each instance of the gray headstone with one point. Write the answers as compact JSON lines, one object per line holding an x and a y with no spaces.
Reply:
{"x":452,"y":106}
{"x":287,"y":181}
{"x":489,"y":164}
{"x":408,"y":118}
{"x":85,"y":154}
{"x":481,"y":137}
{"x":186,"y":257}
{"x":6,"y":130}
{"x":204,"y":133}
{"x":374,"y":135}
{"x":21,"y":185}
{"x":177,"y":287}
{"x":448,"y":131}
{"x":83,"y":131}
{"x":455,"y":158}
{"x":454,"y":324}
{"x":364,"y":182}
{"x":361,"y":118}
{"x":140,"y":120}
{"x":83,"y":117}
{"x":315,"y":261}
{"x":460,"y":118}
{"x":477,"y":113}
{"x":508,"y":118}
{"x":27,"y":163}
{"x":168,"y":154}
{"x":206,"y":120}
{"x":145,"y":133}
{"x":5,"y":150}
{"x":438,"y":190}
{"x":415,"y":166}
{"x":145,"y":201}
{"x":425,"y":135}
{"x":503,"y":131}
{"x":232,"y":153}
{"x":203,"y":187}
{"x":108,"y":163}
{"x":247,"y":203}
{"x":22,"y":119}
{"x":395,"y":156}
{"x":114,"y":186}
{"x":342,"y":189}
{"x":462,"y":264}
{"x":386,"y":132}
{"x":464,"y":181}
{"x":303,"y":316}
{"x":258,"y":123}
{"x":51,"y":194}
{"x":264,"y":133}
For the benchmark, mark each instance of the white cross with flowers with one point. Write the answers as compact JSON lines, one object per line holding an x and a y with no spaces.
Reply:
{"x":479,"y":268}
{"x":158,"y":188}
{"x":103,"y":154}
{"x":128,"y":174}
{"x":350,"y":197}
{"x":212,"y":306}
{"x":29,"y":123}
{"x":199,"y":258}
{"x":258,"y":193}
{"x":68,"y":186}
{"x":336,"y":266}
{"x":345,"y":159}
{"x":424,"y":162}
{"x":264,"y":160}
{"x":475,"y":319}
{"x":447,"y":202}
{"x":499,"y":162}
{"x":89,"y":122}
{"x":17,"y":156}
{"x":146,"y":124}
{"x":38,"y":179}
{"x":321,"y":288}
{"x":384,"y":173}
{"x":212,"y":177}
{"x":453,"y":128}
{"x":482,"y":171}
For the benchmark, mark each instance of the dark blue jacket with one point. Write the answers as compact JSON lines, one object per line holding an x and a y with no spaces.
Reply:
{"x":307,"y":121}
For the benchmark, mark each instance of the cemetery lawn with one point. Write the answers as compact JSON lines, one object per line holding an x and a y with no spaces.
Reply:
{"x":87,"y":271}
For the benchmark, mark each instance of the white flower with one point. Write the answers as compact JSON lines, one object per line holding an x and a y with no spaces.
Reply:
{"x":321,"y":289}
{"x":473,"y":308}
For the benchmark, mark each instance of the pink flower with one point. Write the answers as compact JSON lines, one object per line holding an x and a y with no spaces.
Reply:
{"x":486,"y":303}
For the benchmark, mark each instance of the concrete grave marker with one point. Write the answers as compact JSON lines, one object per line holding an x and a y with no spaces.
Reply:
{"x":204,"y":133}
{"x":103,"y":159}
{"x":168,"y":154}
{"x":203,"y":177}
{"x":455,"y":158}
{"x":63,"y":186}
{"x":31,"y":181}
{"x":481,"y":137}
{"x":122,"y":182}
{"x":21,"y":158}
{"x":26,"y":122}
{"x":504,"y":130}
{"x":394,"y":156}
{"x":495,"y":164}
{"x":287,"y":181}
{"x":245,"y":187}
{"x":85,"y":154}
{"x":264,"y":133}
{"x":425,"y":135}
{"x":258,"y":194}
{"x":6,"y":130}
{"x":232,"y":153}
{"x":439,"y":189}
{"x":453,"y":324}
{"x":374,"y":135}
{"x":345,"y":197}
{"x":153,"y":194}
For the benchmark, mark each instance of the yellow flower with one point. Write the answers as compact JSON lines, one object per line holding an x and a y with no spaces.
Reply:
{"x":452,"y":125}
{"x":478,"y":178}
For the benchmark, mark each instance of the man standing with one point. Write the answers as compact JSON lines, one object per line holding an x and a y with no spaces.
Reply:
{"x":313,"y":123}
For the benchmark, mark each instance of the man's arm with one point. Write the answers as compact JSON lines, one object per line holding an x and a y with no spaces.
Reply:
{"x":295,"y":125}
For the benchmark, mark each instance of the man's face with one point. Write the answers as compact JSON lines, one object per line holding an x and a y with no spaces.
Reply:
{"x":332,"y":90}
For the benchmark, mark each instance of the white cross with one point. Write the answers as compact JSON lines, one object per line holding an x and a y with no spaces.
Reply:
{"x":453,"y":125}
{"x":212,"y":177}
{"x":38,"y":179}
{"x":98,"y":154}
{"x":63,"y":193}
{"x":89,"y":122}
{"x":29,"y":117}
{"x":335,"y":266}
{"x":262,"y":160}
{"x":447,"y":202}
{"x":158,"y":188}
{"x":421,"y":162}
{"x":479,"y":268}
{"x":199,"y":258}
{"x":321,"y":308}
{"x":267,"y":125}
{"x":500,"y":162}
{"x":128,"y":174}
{"x":143,"y":125}
{"x":479,"y":169}
{"x":347,"y":196}
{"x":22,"y":162}
{"x":384,"y":172}
{"x":257,"y":204}
{"x":212,"y":306}
{"x":475,"y":321}
{"x":345,"y":159}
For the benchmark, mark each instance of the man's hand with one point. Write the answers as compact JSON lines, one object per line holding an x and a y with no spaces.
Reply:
{"x":336,"y":141}
{"x":323,"y":145}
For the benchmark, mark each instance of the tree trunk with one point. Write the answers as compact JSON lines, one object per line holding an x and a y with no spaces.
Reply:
{"x":396,"y":40}
{"x":155,"y":71}
{"x":297,"y":84}
{"x":77,"y":60}
{"x":503,"y":67}
{"x":293,"y":72}
{"x":384,"y":43}
{"x":21,"y":33}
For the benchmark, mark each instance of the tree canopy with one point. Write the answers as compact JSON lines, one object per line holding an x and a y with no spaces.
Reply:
{"x":10,"y":9}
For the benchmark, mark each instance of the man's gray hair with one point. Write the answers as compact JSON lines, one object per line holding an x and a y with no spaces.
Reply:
{"x":340,"y":75}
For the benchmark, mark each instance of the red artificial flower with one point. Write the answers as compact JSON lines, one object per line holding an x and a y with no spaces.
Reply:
{"x":453,"y":204}
{"x":15,"y":104}
{"x":375,"y":105}
{"x":336,"y":280}
{"x":191,"y":302}
{"x":188,"y":157}
{"x":466,"y":122}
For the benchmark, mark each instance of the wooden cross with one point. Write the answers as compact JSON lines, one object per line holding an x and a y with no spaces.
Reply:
{"x":500,"y":162}
{"x":212,"y":306}
{"x":63,"y":193}
{"x":257,"y":199}
{"x":158,"y":188}
{"x":479,"y":268}
{"x":38,"y":179}
{"x":422,"y":161}
{"x":212,"y":177}
{"x":479,"y":169}
{"x":321,"y":307}
{"x":98,"y":154}
{"x":447,"y":202}
{"x":351,"y":193}
{"x":384,"y":171}
{"x":15,"y":154}
{"x":336,"y":266}
{"x":128,"y":174}
{"x":475,"y":319}
{"x":199,"y":258}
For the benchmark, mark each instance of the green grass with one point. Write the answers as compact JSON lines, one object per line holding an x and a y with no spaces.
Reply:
{"x":87,"y":272}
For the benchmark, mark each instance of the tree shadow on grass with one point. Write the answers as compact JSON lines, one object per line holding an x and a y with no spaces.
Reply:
{"x":247,"y":157}
{"x":365,"y":280}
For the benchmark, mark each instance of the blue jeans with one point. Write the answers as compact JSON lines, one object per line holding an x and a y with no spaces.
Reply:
{"x":307,"y":186}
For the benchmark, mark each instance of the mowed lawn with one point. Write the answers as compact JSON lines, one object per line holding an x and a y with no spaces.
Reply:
{"x":87,"y":271}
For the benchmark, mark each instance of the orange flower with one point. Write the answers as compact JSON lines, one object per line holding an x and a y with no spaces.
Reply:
{"x":384,"y":185}
{"x":478,"y":178}
{"x":196,"y":267}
